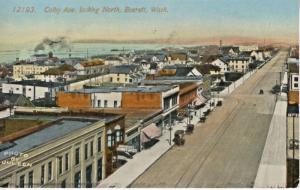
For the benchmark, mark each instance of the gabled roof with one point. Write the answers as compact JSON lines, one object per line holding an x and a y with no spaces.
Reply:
{"x":179,"y":56}
{"x":14,"y":99}
{"x":175,"y":70}
{"x":60,"y":70}
{"x":225,"y":49}
{"x":92,"y":63}
{"x":123,"y":69}
{"x":245,"y":53}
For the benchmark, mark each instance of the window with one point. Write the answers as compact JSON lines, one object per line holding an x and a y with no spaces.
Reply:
{"x":21,"y":184}
{"x":49,"y":171}
{"x":99,"y":169}
{"x":126,"y":80}
{"x":174,"y":100}
{"x":60,"y":165}
{"x":30,"y":179}
{"x":99,"y":144}
{"x":91,"y":148}
{"x":105,"y":103}
{"x":85,"y":151}
{"x":296,"y":79}
{"x":109,"y":138}
{"x":130,"y":80}
{"x":29,"y":89}
{"x":119,"y":137}
{"x":77,"y":180}
{"x":99,"y":103}
{"x":66,"y":161}
{"x":42,"y":174}
{"x":296,"y":85}
{"x":77,"y":156}
{"x":118,"y":79}
{"x":115,"y":103}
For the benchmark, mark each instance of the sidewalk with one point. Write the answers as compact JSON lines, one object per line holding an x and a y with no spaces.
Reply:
{"x":126,"y":174}
{"x":272,"y":168}
{"x":129,"y":172}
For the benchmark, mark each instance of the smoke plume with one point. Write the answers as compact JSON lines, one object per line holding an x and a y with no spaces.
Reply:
{"x":59,"y":43}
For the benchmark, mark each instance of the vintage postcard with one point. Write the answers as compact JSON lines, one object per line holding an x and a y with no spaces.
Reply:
{"x":149,"y":93}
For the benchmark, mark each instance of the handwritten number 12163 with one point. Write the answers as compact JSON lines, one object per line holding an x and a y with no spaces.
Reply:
{"x":24,"y":9}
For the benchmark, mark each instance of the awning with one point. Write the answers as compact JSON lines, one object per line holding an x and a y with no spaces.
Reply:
{"x":200,"y":100}
{"x":150,"y":132}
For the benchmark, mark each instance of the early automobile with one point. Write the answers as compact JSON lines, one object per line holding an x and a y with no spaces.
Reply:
{"x":189,"y":129}
{"x":261,"y":91}
{"x":179,"y":137}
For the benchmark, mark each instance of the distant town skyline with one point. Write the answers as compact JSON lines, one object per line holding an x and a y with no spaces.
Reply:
{"x":186,"y":22}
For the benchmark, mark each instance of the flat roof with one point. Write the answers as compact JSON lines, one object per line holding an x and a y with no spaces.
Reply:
{"x":160,"y":88}
{"x":38,"y":83}
{"x":64,"y":125}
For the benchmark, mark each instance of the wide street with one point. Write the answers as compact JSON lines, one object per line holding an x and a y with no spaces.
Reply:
{"x":226,"y":150}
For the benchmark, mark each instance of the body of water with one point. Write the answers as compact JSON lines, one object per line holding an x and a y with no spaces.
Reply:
{"x":76,"y":50}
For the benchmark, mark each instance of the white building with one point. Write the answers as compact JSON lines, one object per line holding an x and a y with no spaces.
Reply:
{"x":106,"y":99}
{"x":239,"y":64}
{"x":68,"y":152}
{"x":33,"y":89}
{"x":90,"y":67}
{"x":222,"y":64}
{"x":248,"y":48}
{"x":258,"y":55}
{"x":21,"y":70}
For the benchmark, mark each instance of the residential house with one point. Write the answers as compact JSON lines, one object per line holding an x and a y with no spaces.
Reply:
{"x":177,"y":58}
{"x":62,"y":73}
{"x":231,"y":51}
{"x":258,"y":55}
{"x":222,"y":64}
{"x":115,"y":60}
{"x":125,"y":74}
{"x":91,"y":67}
{"x":239,"y":64}
{"x":180,"y":71}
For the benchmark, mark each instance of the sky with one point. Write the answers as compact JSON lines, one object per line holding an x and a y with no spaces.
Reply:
{"x":185,"y":21}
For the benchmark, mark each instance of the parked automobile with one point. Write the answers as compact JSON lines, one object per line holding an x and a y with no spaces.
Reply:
{"x":189,"y":129}
{"x":261,"y":91}
{"x":179,"y":137}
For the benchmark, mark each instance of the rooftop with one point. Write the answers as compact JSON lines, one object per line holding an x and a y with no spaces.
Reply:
{"x":144,"y":89}
{"x":37,"y":83}
{"x":56,"y":127}
{"x":124,"y":69}
{"x":92,"y":63}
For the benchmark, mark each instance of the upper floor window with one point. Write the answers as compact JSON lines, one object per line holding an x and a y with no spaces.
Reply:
{"x":110,"y":140}
{"x":119,"y":135}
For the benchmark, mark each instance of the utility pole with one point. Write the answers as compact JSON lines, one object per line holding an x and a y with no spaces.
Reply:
{"x":170,"y":129}
{"x":293,"y":149}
